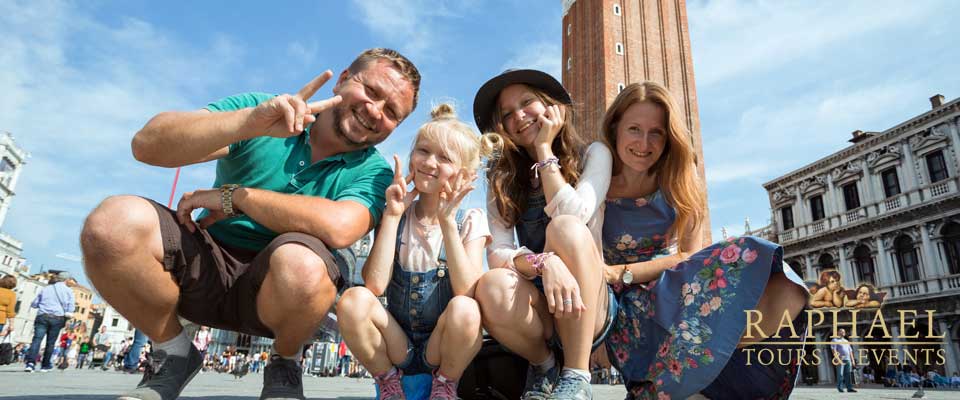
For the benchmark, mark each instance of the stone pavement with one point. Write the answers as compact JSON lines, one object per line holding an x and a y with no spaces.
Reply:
{"x":99,"y":385}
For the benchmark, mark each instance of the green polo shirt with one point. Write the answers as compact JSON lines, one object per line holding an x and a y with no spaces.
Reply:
{"x":283,"y":165}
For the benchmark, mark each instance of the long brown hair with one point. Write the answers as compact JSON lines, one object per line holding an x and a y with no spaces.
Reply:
{"x":676,"y":169}
{"x":508,"y":174}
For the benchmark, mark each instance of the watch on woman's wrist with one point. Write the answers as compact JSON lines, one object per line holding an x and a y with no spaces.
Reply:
{"x":627,"y":276}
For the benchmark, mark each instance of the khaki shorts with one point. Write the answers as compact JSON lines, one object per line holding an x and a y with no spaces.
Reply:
{"x":219,"y":284}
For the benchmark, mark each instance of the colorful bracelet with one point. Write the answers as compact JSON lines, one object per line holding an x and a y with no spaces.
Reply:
{"x":536,"y":260}
{"x":543,"y":164}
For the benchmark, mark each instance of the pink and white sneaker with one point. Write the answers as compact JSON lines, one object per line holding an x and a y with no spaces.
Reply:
{"x":389,"y":384}
{"x":443,"y":388}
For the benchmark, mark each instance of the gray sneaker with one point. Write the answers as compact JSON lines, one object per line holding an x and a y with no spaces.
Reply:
{"x":282,"y":380}
{"x":572,"y":386}
{"x":540,"y":383}
{"x":171,"y":374}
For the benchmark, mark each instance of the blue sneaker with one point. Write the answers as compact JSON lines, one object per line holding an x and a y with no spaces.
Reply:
{"x":540,"y":383}
{"x":572,"y":386}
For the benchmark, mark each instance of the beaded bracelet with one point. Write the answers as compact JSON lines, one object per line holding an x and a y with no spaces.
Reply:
{"x":543,"y":164}
{"x":536,"y":260}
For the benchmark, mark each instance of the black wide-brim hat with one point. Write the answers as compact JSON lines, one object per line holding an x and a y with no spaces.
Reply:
{"x":485,"y":102}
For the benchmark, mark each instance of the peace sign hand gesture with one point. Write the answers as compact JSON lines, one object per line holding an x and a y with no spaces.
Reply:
{"x":286,"y":115}
{"x":453,"y":193}
{"x":398,"y":198}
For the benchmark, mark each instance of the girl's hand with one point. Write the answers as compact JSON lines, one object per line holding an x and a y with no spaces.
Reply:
{"x":550,"y":123}
{"x":453,"y":194}
{"x":611,"y":274}
{"x":398,"y":198}
{"x":561,"y":289}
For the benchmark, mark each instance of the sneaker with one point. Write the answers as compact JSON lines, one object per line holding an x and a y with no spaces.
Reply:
{"x":572,"y":386}
{"x":282,"y":380}
{"x":540,"y":383}
{"x":45,"y":370}
{"x":443,"y":389}
{"x":171,"y":374}
{"x":28,"y":368}
{"x":851,"y":391}
{"x":389,"y":384}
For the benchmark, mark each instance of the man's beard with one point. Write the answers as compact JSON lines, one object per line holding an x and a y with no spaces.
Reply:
{"x":338,"y":130}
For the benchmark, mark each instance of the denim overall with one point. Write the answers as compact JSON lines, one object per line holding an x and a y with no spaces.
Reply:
{"x":416,"y":300}
{"x":532,"y":233}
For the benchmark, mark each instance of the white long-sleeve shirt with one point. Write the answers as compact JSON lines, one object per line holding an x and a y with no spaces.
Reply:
{"x":584,"y":202}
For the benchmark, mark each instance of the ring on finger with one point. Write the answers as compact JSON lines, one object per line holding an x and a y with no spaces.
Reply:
{"x":567,"y":302}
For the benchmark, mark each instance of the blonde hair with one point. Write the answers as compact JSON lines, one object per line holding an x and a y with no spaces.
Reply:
{"x":676,"y":168}
{"x":460,"y":142}
{"x":507,"y":178}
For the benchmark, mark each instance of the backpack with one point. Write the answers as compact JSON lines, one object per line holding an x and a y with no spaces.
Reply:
{"x":495,"y":373}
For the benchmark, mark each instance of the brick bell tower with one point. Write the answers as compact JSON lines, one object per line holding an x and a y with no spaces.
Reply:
{"x":608,"y":44}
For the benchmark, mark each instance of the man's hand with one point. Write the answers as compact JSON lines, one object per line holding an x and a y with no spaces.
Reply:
{"x":208,"y":199}
{"x":286,"y":115}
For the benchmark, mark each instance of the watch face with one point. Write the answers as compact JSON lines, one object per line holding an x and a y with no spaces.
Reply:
{"x":627,"y":277}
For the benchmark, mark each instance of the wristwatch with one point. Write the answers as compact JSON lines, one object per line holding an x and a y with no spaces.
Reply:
{"x":226,"y":199}
{"x":627,"y":277}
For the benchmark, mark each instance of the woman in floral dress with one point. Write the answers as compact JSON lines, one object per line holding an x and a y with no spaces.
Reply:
{"x":680,"y":329}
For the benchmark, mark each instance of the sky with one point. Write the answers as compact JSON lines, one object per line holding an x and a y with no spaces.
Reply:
{"x":780,"y":84}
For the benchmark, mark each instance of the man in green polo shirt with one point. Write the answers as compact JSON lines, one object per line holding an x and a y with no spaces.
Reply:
{"x":296,"y":184}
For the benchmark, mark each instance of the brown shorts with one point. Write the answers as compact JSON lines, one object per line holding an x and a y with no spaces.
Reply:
{"x":219,"y":284}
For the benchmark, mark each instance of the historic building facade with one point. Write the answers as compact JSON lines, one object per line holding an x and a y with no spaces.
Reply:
{"x":884,"y":211}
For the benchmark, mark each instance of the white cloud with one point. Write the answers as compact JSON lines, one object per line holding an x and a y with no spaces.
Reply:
{"x":735,"y":38}
{"x":303,"y":53}
{"x":411,"y":25}
{"x":75,"y":92}
{"x":544,"y":56}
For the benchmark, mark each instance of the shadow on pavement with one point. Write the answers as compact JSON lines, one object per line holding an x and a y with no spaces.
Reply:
{"x":109,"y":397}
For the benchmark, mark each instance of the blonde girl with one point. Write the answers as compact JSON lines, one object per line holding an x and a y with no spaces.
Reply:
{"x":426,"y":260}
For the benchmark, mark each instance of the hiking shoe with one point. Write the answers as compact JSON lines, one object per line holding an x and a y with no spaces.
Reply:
{"x":443,"y":388}
{"x":282,"y":380}
{"x":389,"y":384}
{"x":540,"y":383}
{"x":572,"y":386}
{"x":170,"y":375}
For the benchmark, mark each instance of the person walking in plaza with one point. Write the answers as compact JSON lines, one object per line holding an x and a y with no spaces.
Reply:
{"x":55,"y":304}
{"x":8,"y":305}
{"x":202,"y":339}
{"x":84,"y":351}
{"x":295,"y":181}
{"x":843,"y":359}
{"x":131,"y":355}
{"x":546,"y":187}
{"x":101,"y":342}
{"x":426,"y":259}
{"x":680,"y":329}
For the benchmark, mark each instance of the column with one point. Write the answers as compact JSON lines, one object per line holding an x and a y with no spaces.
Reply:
{"x":885,"y":275}
{"x":931,"y":263}
{"x":950,"y":348}
{"x":846,"y":272}
{"x":826,"y":368}
{"x":870,"y":190}
{"x":910,"y":173}
{"x":831,"y":201}
{"x":800,"y":215}
{"x":811,"y":272}
{"x":954,"y":135}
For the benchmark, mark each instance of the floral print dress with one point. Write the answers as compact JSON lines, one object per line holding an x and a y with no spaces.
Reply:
{"x":673,"y":336}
